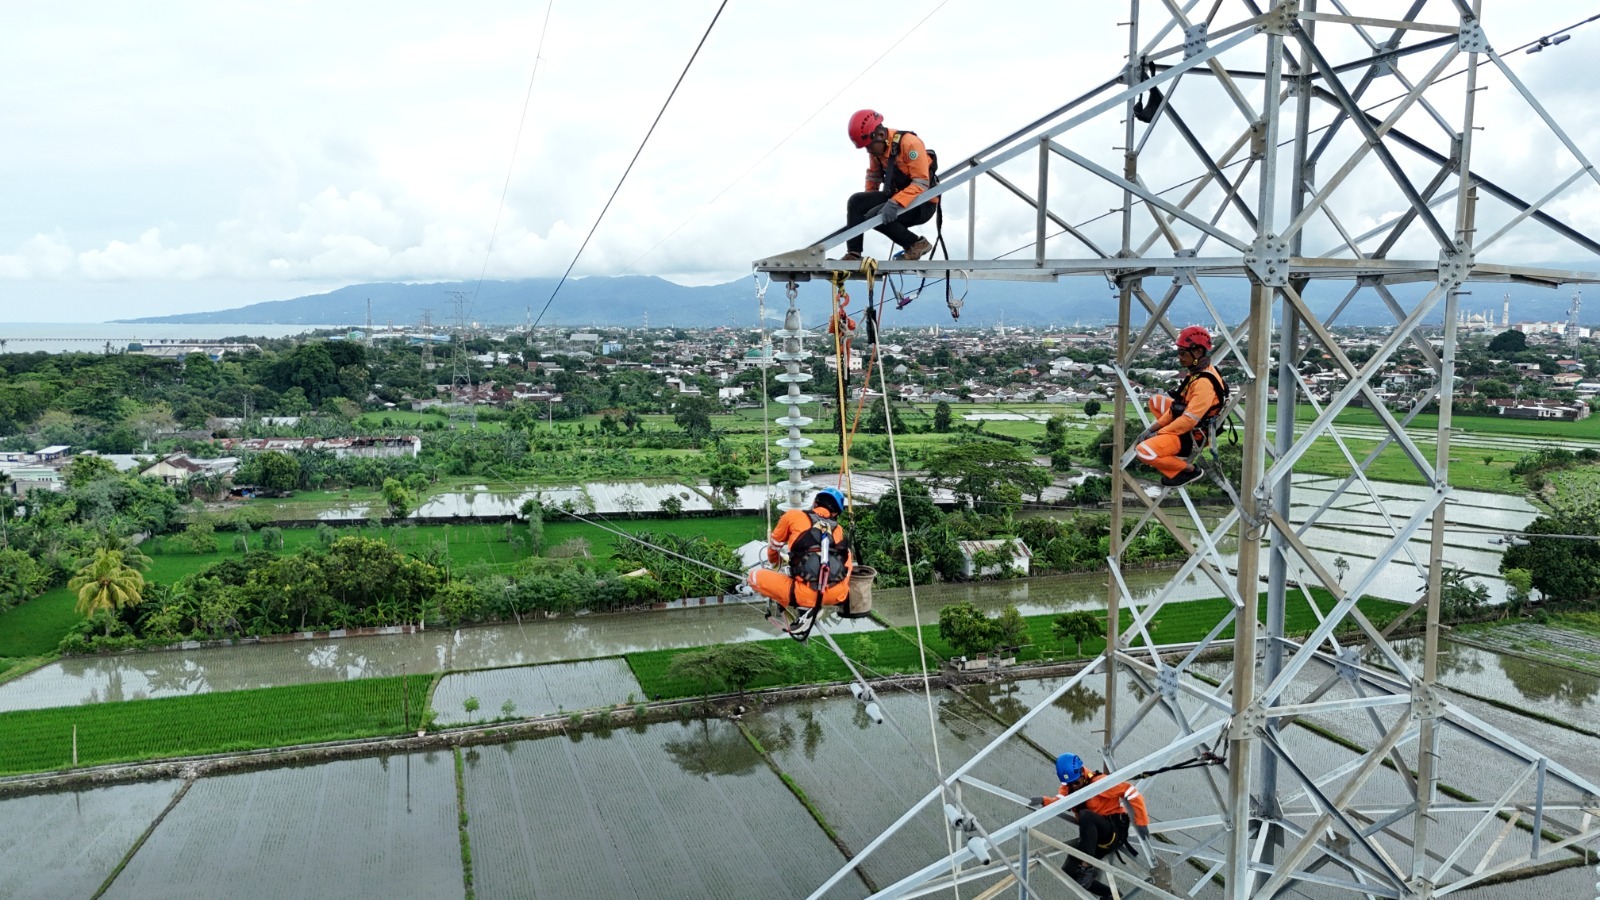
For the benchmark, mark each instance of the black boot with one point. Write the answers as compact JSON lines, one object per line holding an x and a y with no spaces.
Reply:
{"x":1085,"y":877}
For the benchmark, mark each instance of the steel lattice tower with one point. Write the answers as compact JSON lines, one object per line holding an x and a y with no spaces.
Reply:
{"x":1291,"y":88}
{"x":460,"y":362}
{"x":425,"y":326}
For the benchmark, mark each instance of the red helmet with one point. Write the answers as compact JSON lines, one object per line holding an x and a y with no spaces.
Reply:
{"x":1194,"y":336}
{"x":862,"y":124}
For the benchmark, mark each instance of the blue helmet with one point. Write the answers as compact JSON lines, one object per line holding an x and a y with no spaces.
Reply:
{"x":1069,"y":768}
{"x":833,"y":494}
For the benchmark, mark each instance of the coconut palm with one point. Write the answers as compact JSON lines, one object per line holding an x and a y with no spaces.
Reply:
{"x":107,"y":583}
{"x":115,"y":537}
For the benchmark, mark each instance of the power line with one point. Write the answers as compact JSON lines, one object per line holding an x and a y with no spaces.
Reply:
{"x":538,"y":55}
{"x":635,"y":159}
{"x":775,"y":147}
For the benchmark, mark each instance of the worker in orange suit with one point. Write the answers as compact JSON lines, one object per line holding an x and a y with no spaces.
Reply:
{"x":1102,"y":819}
{"x":818,"y":555}
{"x":899,"y":167}
{"x":1183,"y":417}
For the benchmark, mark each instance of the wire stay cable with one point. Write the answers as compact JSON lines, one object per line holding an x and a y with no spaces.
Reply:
{"x":635,"y":159}
{"x":775,"y":147}
{"x":516,"y":143}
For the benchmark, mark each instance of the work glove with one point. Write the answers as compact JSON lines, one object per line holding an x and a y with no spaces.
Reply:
{"x":774,"y":556}
{"x":892,"y":211}
{"x":1146,"y":435}
{"x":1144,"y":832}
{"x":1035,"y":802}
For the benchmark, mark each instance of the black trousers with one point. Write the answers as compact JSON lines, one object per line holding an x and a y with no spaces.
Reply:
{"x":899,"y":231}
{"x":1097,"y":834}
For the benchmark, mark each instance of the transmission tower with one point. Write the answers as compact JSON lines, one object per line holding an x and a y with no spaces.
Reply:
{"x":1325,"y":110}
{"x":425,"y":327}
{"x":367,"y":335}
{"x":1571,"y":334}
{"x":460,"y":363}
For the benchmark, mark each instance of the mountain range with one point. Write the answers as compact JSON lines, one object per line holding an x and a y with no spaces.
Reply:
{"x":637,"y":300}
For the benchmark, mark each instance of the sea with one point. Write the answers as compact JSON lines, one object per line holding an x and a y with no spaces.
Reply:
{"x":89,"y":337}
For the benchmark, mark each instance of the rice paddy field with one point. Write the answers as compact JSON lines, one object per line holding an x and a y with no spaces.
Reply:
{"x":67,"y":844}
{"x":533,"y":690}
{"x":687,"y":810}
{"x":895,"y":651}
{"x":764,"y":807}
{"x":38,"y":740}
{"x":376,"y":827}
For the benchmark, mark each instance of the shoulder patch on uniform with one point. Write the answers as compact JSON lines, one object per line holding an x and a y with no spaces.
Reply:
{"x":911,"y":154}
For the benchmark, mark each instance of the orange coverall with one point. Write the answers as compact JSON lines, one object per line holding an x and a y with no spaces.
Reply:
{"x":777,"y":586}
{"x":1165,"y":450}
{"x":1096,"y":816}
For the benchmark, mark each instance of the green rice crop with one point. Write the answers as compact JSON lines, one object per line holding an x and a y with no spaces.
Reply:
{"x":41,"y":740}
{"x":895,"y":651}
{"x":809,"y":663}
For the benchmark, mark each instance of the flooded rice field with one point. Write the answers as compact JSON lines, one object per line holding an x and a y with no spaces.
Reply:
{"x":1557,"y":692}
{"x":166,"y":673}
{"x":678,"y":809}
{"x":376,"y":827}
{"x":67,"y":844}
{"x":674,"y":810}
{"x":533,"y":690}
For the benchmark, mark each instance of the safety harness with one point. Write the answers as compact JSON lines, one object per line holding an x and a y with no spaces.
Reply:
{"x":895,"y":181}
{"x":1207,"y":425}
{"x":819,"y":561}
{"x":1119,"y":844}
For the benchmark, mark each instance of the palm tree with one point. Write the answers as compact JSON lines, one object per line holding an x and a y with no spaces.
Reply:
{"x":106,"y":583}
{"x":113,"y":539}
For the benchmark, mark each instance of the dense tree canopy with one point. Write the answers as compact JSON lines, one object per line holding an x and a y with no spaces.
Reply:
{"x":987,"y":473}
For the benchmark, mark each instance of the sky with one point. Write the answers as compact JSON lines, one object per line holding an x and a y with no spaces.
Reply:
{"x":181,"y":156}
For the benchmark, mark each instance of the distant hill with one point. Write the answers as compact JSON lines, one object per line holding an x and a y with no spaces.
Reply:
{"x":627,"y":300}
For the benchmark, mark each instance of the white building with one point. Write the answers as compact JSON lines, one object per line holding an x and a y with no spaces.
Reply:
{"x":1014,"y":554}
{"x":179,"y":467}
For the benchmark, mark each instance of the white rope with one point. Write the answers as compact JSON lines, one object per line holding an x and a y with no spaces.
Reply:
{"x":916,"y":615}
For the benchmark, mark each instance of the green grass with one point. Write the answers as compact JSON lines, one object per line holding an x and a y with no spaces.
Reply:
{"x":35,"y":628}
{"x":896,"y":649}
{"x":467,"y":544}
{"x":41,"y":740}
{"x":1584,"y":429}
{"x":405,"y":418}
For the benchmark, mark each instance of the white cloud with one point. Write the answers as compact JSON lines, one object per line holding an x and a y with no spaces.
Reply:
{"x":300,"y":142}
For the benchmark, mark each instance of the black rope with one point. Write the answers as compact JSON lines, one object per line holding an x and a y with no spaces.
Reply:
{"x":1206,"y":758}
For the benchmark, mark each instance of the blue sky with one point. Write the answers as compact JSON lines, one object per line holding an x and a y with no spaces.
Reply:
{"x":186,"y":155}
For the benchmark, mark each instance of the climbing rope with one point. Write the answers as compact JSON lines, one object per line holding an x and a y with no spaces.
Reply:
{"x":916,"y":620}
